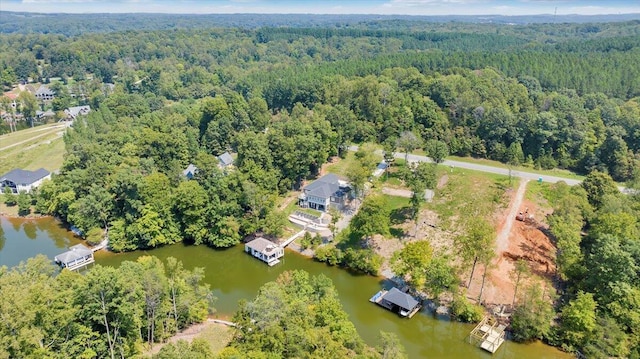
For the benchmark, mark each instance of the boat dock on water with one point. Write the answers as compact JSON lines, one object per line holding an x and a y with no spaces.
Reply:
{"x":397,"y":301}
{"x":488,"y":334}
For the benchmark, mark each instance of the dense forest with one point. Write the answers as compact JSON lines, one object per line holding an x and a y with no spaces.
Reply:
{"x":105,"y":313}
{"x":286,"y":99}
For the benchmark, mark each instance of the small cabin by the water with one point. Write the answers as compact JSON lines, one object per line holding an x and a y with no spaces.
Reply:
{"x":76,"y":257}
{"x":397,"y":301}
{"x":265,"y":250}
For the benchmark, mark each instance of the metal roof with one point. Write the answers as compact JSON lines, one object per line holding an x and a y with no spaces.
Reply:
{"x":74,"y":252}
{"x":262,"y":245}
{"x":24,"y":177}
{"x":324,"y":186}
{"x":400,"y":299}
{"x":225,"y":159}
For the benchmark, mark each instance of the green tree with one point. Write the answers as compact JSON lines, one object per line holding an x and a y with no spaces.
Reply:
{"x":372,"y":218}
{"x":533,"y":315}
{"x":9,"y":197}
{"x":390,"y":347}
{"x":412,"y":262}
{"x":294,"y":316}
{"x":24,"y":203}
{"x":598,"y":185}
{"x":476,"y":245}
{"x":520,"y":271}
{"x":408,"y":141}
{"x":436,"y":150}
{"x":578,"y":320}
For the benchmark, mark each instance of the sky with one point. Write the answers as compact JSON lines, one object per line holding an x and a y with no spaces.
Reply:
{"x":383,"y":7}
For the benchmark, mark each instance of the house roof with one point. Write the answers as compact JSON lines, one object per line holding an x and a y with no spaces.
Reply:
{"x":225,"y":159}
{"x":75,"y":111}
{"x":400,"y":299}
{"x":44,"y":90}
{"x":324,"y":186}
{"x":262,"y":245}
{"x":25,"y":177}
{"x":191,"y":169}
{"x":74,"y":252}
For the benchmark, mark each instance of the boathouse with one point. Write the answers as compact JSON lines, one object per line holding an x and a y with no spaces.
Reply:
{"x":76,"y":257}
{"x":265,"y":250}
{"x":397,"y":301}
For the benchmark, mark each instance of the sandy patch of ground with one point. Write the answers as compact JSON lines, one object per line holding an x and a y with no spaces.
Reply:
{"x":397,"y":192}
{"x":515,"y":240}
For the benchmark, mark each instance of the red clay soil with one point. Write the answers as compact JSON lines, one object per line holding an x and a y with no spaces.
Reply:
{"x":525,"y":241}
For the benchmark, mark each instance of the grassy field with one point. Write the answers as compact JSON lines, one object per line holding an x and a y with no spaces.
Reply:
{"x":13,"y":138}
{"x":342,"y":165}
{"x":554,"y":172}
{"x":218,"y":336}
{"x":32,"y":149}
{"x":468,"y":194}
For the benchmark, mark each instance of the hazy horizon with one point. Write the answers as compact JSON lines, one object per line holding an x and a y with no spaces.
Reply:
{"x":336,"y":7}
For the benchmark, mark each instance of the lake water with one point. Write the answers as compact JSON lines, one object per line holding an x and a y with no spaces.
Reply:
{"x":234,"y":275}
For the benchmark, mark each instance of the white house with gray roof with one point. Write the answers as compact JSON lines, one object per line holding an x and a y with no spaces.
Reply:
{"x":44,"y":93}
{"x":265,"y":250}
{"x":324,"y":192}
{"x":76,"y":257}
{"x":23,"y":180}
{"x":73,"y":112}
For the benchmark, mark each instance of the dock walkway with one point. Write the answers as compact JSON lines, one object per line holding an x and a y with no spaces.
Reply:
{"x":489,"y":334}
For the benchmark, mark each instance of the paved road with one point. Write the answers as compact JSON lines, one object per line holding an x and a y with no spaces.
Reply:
{"x":489,"y":169}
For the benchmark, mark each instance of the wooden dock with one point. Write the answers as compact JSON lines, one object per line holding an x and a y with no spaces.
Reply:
{"x":100,"y":246}
{"x":488,"y":334}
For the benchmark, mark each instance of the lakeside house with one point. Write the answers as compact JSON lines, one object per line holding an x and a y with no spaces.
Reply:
{"x":76,"y":257}
{"x":23,"y":180}
{"x":265,"y":250}
{"x":397,"y":301}
{"x":324,"y":192}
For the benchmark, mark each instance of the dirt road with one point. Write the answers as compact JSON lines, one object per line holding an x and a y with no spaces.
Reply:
{"x":502,"y":240}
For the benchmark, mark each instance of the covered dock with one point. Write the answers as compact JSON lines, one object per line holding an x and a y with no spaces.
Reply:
{"x":76,"y":257}
{"x":397,"y":301}
{"x":265,"y":250}
{"x":488,"y":334}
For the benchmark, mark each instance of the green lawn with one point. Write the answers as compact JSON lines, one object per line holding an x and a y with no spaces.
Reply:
{"x":554,"y":172}
{"x":468,"y":194}
{"x":46,"y":154}
{"x":9,"y":139}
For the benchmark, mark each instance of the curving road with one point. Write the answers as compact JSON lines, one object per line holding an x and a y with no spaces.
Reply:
{"x":489,"y":169}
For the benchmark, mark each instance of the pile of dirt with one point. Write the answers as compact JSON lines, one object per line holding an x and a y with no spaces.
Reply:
{"x":527,"y":241}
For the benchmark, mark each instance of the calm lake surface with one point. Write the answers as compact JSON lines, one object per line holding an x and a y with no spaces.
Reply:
{"x":234,"y":275}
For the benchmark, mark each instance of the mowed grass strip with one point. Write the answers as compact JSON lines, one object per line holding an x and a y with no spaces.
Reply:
{"x":39,"y":132}
{"x":47,"y":153}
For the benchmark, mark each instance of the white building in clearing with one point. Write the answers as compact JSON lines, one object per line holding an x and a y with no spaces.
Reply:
{"x":23,"y":180}
{"x":265,"y":250}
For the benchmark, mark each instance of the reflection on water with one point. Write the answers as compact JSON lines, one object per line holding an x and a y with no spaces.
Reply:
{"x":234,"y":275}
{"x":24,"y":238}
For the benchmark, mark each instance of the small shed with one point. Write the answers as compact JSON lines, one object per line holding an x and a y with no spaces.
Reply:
{"x":76,"y":257}
{"x":265,"y":250}
{"x":190,"y":171}
{"x":225,"y":160}
{"x":397,"y":301}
